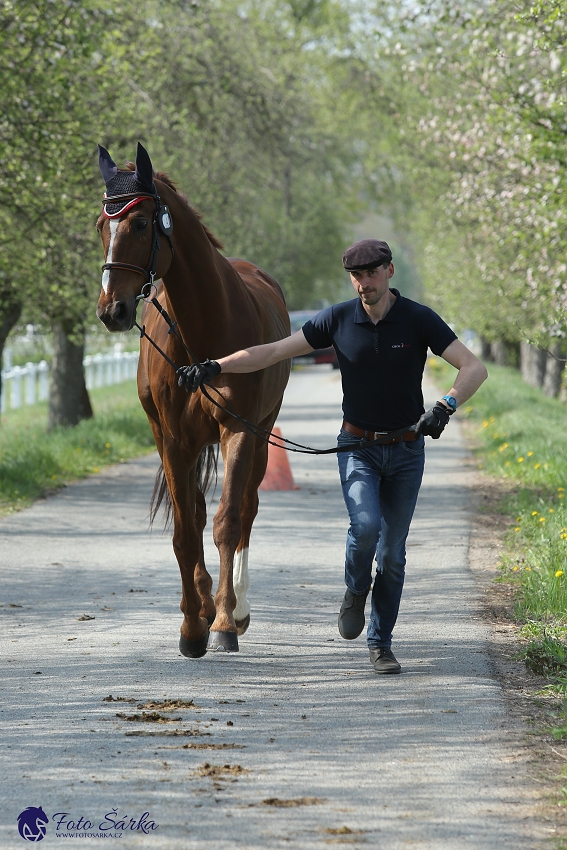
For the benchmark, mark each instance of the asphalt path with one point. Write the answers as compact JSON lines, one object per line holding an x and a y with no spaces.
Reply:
{"x":293,"y":742}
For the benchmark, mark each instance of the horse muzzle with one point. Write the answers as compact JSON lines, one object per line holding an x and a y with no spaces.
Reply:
{"x":118,"y":315}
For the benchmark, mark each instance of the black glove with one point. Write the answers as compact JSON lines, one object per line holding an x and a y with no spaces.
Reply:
{"x":432,"y":422}
{"x":191,"y":377}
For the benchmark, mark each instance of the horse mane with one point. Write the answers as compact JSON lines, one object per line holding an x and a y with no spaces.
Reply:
{"x":161,"y":175}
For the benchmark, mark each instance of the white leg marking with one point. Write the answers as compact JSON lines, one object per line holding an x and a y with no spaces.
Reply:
{"x":241,"y":581}
{"x":106,"y":272}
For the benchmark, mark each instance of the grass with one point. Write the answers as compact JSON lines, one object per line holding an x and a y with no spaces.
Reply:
{"x":519,"y":435}
{"x":34,"y":462}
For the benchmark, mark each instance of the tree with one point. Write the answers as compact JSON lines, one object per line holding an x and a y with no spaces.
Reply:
{"x":474,"y":95}
{"x":222,"y":95}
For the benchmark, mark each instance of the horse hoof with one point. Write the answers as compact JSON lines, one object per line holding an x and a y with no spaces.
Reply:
{"x":242,"y":625}
{"x":194,"y":648}
{"x":223,"y":642}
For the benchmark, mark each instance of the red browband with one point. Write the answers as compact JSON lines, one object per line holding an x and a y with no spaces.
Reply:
{"x":122,"y":211}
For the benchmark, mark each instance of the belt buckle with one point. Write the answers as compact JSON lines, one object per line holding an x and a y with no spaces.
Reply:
{"x":378,"y":434}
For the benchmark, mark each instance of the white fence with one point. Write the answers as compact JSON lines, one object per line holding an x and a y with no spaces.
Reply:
{"x":30,"y":383}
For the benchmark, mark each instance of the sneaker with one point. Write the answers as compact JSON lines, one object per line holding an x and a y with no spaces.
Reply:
{"x":384,"y":661}
{"x":351,"y":615}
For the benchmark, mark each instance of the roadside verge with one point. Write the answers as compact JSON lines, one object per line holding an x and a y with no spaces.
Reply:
{"x":518,"y":555}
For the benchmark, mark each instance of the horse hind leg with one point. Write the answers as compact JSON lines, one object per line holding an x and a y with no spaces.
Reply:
{"x":203,"y":581}
{"x":241,"y":579}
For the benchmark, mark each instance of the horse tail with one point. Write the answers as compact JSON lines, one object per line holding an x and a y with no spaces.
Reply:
{"x":161,"y":495}
{"x":206,"y":472}
{"x":207,"y":468}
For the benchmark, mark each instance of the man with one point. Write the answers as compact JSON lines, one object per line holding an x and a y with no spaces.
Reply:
{"x":381,"y":340}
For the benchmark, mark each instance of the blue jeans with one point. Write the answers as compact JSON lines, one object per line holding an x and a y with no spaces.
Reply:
{"x":380,"y":487}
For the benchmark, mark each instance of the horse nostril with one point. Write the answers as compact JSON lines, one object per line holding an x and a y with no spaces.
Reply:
{"x":119,"y":311}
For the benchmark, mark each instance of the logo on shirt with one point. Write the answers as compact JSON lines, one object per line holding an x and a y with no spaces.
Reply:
{"x":401,"y":345}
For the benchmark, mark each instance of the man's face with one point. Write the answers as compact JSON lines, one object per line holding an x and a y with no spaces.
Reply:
{"x":371,"y":285}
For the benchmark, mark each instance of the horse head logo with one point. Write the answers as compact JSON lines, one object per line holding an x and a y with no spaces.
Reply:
{"x":32,"y":824}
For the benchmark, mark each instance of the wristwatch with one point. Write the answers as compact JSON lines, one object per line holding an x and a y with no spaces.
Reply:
{"x":452,"y":402}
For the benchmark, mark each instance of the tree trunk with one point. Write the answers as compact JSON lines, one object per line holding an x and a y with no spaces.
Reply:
{"x":554,"y":369}
{"x":504,"y":353}
{"x":68,"y":396}
{"x":485,"y":350}
{"x":532,"y":364}
{"x":10,"y":310}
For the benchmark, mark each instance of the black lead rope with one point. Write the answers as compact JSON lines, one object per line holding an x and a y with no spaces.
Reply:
{"x":262,"y":433}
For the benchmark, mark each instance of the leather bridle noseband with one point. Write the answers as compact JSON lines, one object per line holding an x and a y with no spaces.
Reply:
{"x":161,"y":221}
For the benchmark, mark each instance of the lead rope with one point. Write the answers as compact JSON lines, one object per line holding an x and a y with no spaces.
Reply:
{"x":262,"y":433}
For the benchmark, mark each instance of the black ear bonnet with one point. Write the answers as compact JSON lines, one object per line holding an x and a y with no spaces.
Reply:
{"x":138,"y":184}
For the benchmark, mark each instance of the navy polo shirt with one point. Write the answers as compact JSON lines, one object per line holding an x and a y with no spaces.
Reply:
{"x":381,"y":365}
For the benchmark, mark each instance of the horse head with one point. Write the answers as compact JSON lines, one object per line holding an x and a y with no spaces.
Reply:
{"x":132,"y":220}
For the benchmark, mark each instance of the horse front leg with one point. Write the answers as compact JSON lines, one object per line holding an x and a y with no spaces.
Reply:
{"x":187,"y":545}
{"x":238,"y":453}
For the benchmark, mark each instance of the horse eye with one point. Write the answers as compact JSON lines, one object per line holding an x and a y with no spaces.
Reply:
{"x":140,"y":223}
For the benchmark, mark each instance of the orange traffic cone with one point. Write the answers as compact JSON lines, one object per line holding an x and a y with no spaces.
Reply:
{"x":278,"y":472}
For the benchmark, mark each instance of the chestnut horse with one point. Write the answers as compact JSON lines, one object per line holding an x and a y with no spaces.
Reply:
{"x":220,"y":306}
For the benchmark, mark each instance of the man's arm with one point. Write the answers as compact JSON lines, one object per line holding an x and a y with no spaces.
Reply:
{"x":261,"y":356}
{"x":246,"y":360}
{"x":471,"y":375}
{"x":472,"y":372}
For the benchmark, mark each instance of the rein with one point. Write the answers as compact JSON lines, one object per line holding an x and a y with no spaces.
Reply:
{"x":162,"y":222}
{"x":262,"y":433}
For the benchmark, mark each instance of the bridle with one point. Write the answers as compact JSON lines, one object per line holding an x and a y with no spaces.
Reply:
{"x":162,"y":221}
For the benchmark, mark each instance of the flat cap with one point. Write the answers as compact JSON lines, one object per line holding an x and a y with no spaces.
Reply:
{"x":366,"y":254}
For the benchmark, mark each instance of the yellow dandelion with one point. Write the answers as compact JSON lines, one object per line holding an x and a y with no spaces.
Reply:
{"x":528,"y":569}
{"x":516,"y":529}
{"x":507,"y":463}
{"x":515,"y":569}
{"x":518,"y":519}
{"x":485,"y":424}
{"x":530,"y":454}
{"x":468,"y":409}
{"x":542,"y":519}
{"x":96,"y":469}
{"x":560,"y":489}
{"x":503,"y":447}
{"x":551,"y":510}
{"x":558,"y":573}
{"x":520,"y":460}
{"x":107,"y":445}
{"x":561,"y":496}
{"x":537,"y":465}
{"x":563,"y":536}
{"x":535,"y":513}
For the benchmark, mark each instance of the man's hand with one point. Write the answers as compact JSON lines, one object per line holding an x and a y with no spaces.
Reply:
{"x":432,"y":422}
{"x":191,"y":377}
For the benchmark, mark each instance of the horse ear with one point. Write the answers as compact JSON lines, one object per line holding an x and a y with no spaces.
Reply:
{"x":144,"y":173}
{"x":108,"y":167}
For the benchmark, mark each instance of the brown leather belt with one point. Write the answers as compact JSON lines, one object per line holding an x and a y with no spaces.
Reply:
{"x":375,"y":435}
